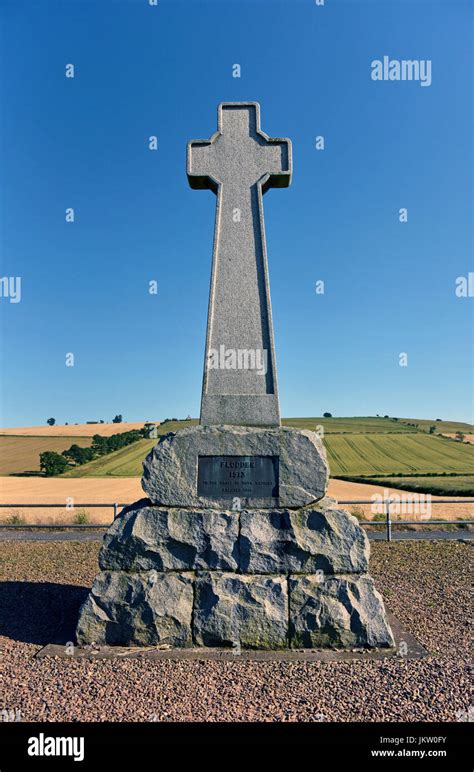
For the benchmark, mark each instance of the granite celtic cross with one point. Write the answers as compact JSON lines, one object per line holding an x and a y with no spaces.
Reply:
{"x":248,"y":502}
{"x":239,"y":163}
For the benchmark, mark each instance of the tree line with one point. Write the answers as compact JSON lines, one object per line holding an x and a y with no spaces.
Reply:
{"x":52,"y":463}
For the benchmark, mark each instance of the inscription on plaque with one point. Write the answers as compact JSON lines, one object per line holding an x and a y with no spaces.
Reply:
{"x":243,"y":476}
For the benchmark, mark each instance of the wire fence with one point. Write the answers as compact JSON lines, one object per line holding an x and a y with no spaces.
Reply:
{"x":387,"y":523}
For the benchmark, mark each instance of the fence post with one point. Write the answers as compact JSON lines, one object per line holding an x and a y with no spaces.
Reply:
{"x":115,"y":511}
{"x":389,"y":522}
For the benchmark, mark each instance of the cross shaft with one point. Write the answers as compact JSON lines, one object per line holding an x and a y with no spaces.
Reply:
{"x":239,"y":163}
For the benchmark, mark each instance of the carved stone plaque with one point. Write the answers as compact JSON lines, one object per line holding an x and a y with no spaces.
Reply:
{"x":240,"y":476}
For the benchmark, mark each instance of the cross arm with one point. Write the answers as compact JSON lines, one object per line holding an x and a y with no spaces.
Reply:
{"x":198,"y":165}
{"x":279,"y":154}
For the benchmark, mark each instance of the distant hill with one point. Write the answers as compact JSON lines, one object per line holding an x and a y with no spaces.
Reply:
{"x":352,"y":425}
{"x":73,"y":430}
{"x":370,"y":424}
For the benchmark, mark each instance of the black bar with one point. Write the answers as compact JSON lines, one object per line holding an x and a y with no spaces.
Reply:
{"x":121,"y":745}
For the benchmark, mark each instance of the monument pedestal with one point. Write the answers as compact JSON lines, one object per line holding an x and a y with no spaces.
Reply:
{"x":183,"y":570}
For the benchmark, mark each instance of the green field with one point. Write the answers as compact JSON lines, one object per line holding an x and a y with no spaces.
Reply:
{"x":19,"y":454}
{"x":391,"y":454}
{"x":361,"y":425}
{"x":442,"y":485}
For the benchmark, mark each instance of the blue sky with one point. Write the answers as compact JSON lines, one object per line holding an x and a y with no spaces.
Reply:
{"x":142,"y":70}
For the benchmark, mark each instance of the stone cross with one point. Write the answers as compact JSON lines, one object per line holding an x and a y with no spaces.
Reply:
{"x":239,"y":163}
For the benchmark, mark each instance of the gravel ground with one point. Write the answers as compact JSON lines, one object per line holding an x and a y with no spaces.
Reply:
{"x":43,"y":584}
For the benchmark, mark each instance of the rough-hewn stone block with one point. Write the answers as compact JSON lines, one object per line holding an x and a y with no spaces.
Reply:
{"x":302,"y":541}
{"x":143,"y":609}
{"x":148,"y":537}
{"x":235,"y":610}
{"x":339,"y":612}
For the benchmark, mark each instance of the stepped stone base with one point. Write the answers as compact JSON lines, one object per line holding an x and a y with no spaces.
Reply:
{"x":256,"y":579}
